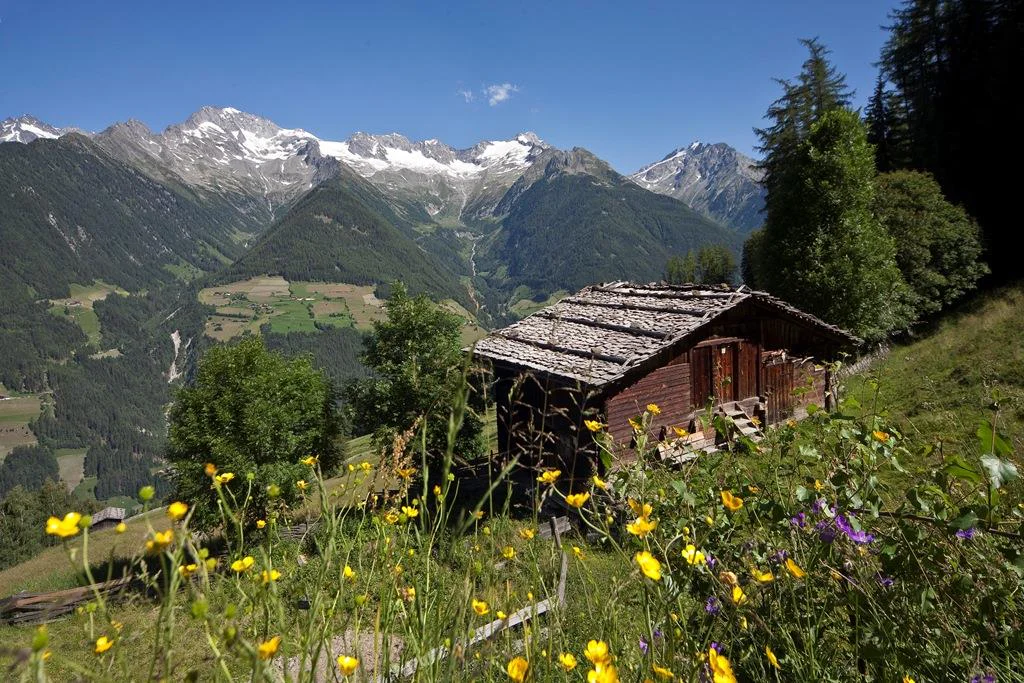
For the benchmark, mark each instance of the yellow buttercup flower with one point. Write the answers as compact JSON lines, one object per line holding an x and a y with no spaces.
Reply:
{"x":578,"y":552}
{"x":641,"y":526}
{"x":738,"y":596}
{"x":500,"y":614}
{"x":794,"y":569}
{"x":600,"y":483}
{"x":103,"y":644}
{"x":349,"y":573}
{"x":224,"y":478}
{"x":577,"y":500}
{"x":593,"y":425}
{"x":818,"y":485}
{"x":177,"y":510}
{"x":721,"y":670}
{"x":310,"y":460}
{"x":64,"y":527}
{"x":261,"y":523}
{"x":680,"y":432}
{"x":301,"y":485}
{"x":908,"y":679}
{"x":880,"y":436}
{"x":639,"y":510}
{"x":517,"y":669}
{"x":187,"y":570}
{"x":763,"y":577}
{"x":410,"y":512}
{"x":478,"y":514}
{"x":243,"y":564}
{"x":692,"y":555}
{"x":210,"y":469}
{"x":527,"y":533}
{"x":270,"y":576}
{"x":597,"y":652}
{"x":549,"y":476}
{"x":635,"y":425}
{"x":406,"y":473}
{"x":409,"y":593}
{"x":603,"y":674}
{"x":480,"y":607}
{"x":437,"y":490}
{"x":730,"y":501}
{"x":653,"y":409}
{"x":649,"y":565}
{"x":567,"y":660}
{"x":663,"y":673}
{"x":347,"y":665}
{"x":508,"y":552}
{"x":121,"y":527}
{"x":160,"y":540}
{"x":268,"y":649}
{"x":771,"y":657}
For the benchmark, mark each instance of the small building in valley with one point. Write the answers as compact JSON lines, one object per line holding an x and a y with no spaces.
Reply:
{"x":107,"y":517}
{"x":610,"y":350}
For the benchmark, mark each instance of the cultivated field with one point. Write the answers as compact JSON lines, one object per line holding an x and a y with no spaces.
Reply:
{"x":78,"y":306}
{"x":15,"y":414}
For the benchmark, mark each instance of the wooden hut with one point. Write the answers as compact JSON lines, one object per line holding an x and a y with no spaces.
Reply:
{"x":107,"y":517}
{"x":609,"y":350}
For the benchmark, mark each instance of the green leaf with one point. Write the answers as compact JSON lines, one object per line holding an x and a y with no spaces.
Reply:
{"x":965,"y":521}
{"x":957,"y":467}
{"x":992,"y":441}
{"x":999,"y":471}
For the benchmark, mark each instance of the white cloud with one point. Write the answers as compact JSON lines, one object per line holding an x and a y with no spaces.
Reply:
{"x":496,"y":94}
{"x":468,"y":95}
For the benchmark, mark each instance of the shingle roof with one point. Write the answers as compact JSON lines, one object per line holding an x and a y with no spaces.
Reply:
{"x":601,"y":333}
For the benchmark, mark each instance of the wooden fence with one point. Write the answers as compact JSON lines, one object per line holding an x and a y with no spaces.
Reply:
{"x":39,"y":608}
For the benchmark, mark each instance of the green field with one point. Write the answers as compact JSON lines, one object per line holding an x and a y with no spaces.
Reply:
{"x":78,"y":307}
{"x":526,"y":306}
{"x":72,"y":465}
{"x":15,"y":414}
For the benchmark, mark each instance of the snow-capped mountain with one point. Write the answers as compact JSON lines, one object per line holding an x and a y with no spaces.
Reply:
{"x":26,"y":129}
{"x":713,"y":179}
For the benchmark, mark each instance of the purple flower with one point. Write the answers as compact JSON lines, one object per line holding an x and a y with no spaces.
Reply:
{"x":779,"y":557}
{"x":716,"y":647}
{"x":643,"y":646}
{"x":819,"y":505}
{"x":658,"y":634}
{"x":987,"y":678}
{"x":856,"y":536}
{"x":886,"y":581}
{"x":800,"y":520}
{"x":966,"y":534}
{"x":712,"y":606}
{"x":825,"y":530}
{"x":710,"y":560}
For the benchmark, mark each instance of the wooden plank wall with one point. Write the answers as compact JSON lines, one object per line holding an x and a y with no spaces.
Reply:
{"x":667,"y":386}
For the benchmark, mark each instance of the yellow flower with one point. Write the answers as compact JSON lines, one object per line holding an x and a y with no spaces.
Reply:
{"x":486,"y":531}
{"x":880,"y":436}
{"x":577,"y":500}
{"x":480,"y":607}
{"x":738,"y":596}
{"x":365,"y":466}
{"x":663,"y":673}
{"x":908,"y":679}
{"x":508,"y":552}
{"x":301,"y":485}
{"x":549,"y":476}
{"x":64,"y":527}
{"x":407,"y":472}
{"x":160,"y":540}
{"x":763,"y":577}
{"x":597,"y":652}
{"x":527,"y":534}
{"x":743,"y":623}
{"x":268,"y":649}
{"x":578,"y":552}
{"x":635,"y":425}
{"x":639,"y":510}
{"x":600,"y":483}
{"x":649,"y":565}
{"x":775,"y":660}
{"x":103,"y":644}
{"x":347,"y":665}
{"x":310,"y":460}
{"x":730,"y":501}
{"x":121,"y":527}
{"x":269,"y":576}
{"x":410,"y":512}
{"x":680,"y":432}
{"x":478,"y":514}
{"x":243,"y":564}
{"x":261,"y":523}
{"x":188,"y":570}
{"x":721,"y":670}
{"x":641,"y":526}
{"x":692,"y":555}
{"x":224,"y":478}
{"x":794,"y":569}
{"x":593,"y":425}
{"x":603,"y":674}
{"x":818,"y":485}
{"x":391,"y":517}
{"x":517,"y":669}
{"x":177,"y":510}
{"x":500,"y":614}
{"x":437,"y":490}
{"x":210,"y":469}
{"x":567,"y":660}
{"x":349,"y":573}
{"x":653,"y":409}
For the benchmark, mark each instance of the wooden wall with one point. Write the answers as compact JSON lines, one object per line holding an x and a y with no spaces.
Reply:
{"x":667,"y":386}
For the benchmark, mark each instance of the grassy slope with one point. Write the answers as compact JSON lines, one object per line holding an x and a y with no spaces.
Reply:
{"x":942,"y":385}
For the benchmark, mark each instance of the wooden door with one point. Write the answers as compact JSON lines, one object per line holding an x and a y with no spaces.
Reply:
{"x":778,"y":391}
{"x":747,"y":371}
{"x":702,"y":377}
{"x":724,"y":358}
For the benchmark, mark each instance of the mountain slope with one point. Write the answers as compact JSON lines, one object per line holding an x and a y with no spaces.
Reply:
{"x":714,"y":180}
{"x":345,"y":231}
{"x":573,"y":221}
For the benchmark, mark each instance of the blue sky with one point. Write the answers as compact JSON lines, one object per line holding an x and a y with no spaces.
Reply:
{"x":629,"y":81}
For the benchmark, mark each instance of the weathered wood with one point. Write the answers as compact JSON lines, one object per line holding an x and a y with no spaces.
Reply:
{"x":26,"y":608}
